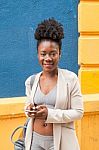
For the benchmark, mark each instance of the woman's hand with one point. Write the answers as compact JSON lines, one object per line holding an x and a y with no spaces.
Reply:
{"x":31,"y":110}
{"x":42,"y":112}
{"x":39,"y":112}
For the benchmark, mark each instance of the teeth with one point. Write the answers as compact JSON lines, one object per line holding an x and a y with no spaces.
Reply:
{"x":47,"y":64}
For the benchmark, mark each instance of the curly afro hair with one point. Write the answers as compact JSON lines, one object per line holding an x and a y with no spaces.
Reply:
{"x":49,"y":30}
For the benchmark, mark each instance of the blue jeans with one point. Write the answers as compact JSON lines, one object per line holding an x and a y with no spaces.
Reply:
{"x":41,"y":142}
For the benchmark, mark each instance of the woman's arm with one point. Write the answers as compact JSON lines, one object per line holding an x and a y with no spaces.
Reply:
{"x":76,"y":109}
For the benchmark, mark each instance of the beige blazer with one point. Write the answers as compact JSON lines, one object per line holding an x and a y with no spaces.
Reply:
{"x":68,"y":108}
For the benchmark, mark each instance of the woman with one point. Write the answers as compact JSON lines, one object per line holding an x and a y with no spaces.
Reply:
{"x":54,"y":97}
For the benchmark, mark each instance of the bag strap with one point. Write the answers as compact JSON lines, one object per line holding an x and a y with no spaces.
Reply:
{"x":11,"y":138}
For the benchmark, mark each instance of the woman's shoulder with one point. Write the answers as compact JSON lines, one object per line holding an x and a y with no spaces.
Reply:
{"x":69,"y":75}
{"x":30,"y":80}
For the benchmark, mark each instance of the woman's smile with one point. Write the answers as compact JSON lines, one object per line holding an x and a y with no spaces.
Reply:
{"x":48,"y":65}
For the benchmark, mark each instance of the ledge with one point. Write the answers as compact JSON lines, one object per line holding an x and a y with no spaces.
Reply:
{"x":14,"y":107}
{"x":91,"y":103}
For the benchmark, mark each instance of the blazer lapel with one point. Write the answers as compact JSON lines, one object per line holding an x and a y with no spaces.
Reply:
{"x":34,"y":87}
{"x":61,"y":102}
{"x":61,"y":98}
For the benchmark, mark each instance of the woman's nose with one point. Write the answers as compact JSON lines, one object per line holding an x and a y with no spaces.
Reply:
{"x":48,"y":57}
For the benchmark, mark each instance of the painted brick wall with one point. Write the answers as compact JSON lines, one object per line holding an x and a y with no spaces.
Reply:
{"x":18,"y":20}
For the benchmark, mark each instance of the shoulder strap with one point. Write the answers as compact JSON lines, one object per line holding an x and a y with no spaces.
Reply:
{"x":32,"y":80}
{"x":21,"y":126}
{"x":11,"y":138}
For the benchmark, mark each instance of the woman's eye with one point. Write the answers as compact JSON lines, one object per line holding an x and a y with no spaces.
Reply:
{"x":43,"y":54}
{"x":53,"y":54}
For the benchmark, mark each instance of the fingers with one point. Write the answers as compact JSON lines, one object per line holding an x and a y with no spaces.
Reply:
{"x":40,"y":112}
{"x":39,"y":107}
{"x":28,"y":110}
{"x":33,"y":115}
{"x":30,"y":106}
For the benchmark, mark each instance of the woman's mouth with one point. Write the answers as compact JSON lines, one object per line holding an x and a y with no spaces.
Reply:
{"x":48,"y":65}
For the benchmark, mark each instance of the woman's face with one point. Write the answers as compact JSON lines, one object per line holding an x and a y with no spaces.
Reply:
{"x":48,"y":55}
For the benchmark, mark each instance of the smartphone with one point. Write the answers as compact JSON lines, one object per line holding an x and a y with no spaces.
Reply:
{"x":32,"y":110}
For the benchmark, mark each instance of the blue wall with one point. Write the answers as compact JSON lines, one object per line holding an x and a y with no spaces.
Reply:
{"x":18,"y":57}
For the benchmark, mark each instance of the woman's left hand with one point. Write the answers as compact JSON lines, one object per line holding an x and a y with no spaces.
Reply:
{"x":42,"y":112}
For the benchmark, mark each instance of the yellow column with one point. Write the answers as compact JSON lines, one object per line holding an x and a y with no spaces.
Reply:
{"x":88,"y":59}
{"x":89,"y":46}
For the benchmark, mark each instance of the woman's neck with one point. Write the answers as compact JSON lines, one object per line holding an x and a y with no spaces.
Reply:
{"x":51,"y":74}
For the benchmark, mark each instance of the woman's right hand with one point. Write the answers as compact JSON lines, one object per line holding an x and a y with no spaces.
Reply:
{"x":30,"y":110}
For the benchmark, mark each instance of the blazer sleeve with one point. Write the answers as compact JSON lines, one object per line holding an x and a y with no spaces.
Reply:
{"x":75,"y":111}
{"x":28,"y":88}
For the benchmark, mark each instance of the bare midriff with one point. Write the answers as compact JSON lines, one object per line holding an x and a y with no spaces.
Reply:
{"x":42,"y":128}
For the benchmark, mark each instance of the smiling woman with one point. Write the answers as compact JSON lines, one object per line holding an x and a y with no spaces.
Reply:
{"x":55,"y":94}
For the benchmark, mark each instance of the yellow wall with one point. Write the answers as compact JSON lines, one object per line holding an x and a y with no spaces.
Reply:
{"x":88,"y":59}
{"x":87,"y":128}
{"x":88,"y":45}
{"x":12,"y":115}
